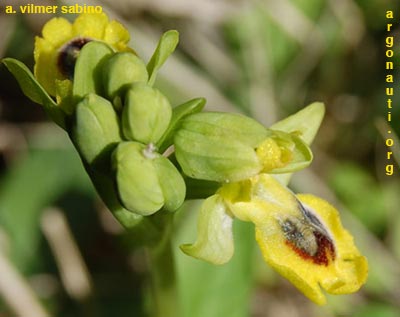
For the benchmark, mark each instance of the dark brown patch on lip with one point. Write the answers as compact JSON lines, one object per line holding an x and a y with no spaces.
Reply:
{"x":68,"y":55}
{"x":325,"y":250}
{"x":307,"y":236}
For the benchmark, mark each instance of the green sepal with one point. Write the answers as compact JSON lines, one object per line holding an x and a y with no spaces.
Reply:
{"x":171,"y":183}
{"x":219,"y":146}
{"x":305,"y":123}
{"x":34,"y":91}
{"x":88,"y":66}
{"x":136,"y":178}
{"x":121,"y":70}
{"x":178,"y":113}
{"x":232,"y":126}
{"x":146,"y":114}
{"x":95,"y":129}
{"x":165,"y":48}
{"x":214,"y":158}
{"x":214,"y":242}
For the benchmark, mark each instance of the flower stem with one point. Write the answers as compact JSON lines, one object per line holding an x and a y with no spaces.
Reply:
{"x":163,"y":280}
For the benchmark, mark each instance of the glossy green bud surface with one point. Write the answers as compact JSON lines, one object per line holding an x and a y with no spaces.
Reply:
{"x":171,"y":183}
{"x":121,"y":70}
{"x":137,"y":179}
{"x":95,"y":127}
{"x":146,"y":114}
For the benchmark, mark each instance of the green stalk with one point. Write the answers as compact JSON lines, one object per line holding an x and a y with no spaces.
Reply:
{"x":164,"y":294}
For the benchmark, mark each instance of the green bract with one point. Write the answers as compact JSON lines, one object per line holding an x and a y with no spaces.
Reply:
{"x":178,"y":113}
{"x":165,"y":48}
{"x":146,"y":114}
{"x":34,"y":91}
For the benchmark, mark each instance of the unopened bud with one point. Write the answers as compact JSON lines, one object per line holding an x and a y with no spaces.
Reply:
{"x":146,"y":114}
{"x":121,"y":70}
{"x":95,"y":128}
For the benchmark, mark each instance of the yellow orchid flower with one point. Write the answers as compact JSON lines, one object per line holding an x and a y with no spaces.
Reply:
{"x":300,"y":236}
{"x":56,"y":51}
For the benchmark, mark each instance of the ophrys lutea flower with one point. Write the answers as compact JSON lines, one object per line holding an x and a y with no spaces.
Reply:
{"x":57,"y":50}
{"x":300,"y":236}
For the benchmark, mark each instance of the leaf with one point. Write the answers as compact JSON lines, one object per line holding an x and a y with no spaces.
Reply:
{"x":165,"y":48}
{"x":34,"y":91}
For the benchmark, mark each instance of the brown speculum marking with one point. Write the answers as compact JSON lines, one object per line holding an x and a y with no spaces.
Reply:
{"x":307,"y":236}
{"x":68,"y":55}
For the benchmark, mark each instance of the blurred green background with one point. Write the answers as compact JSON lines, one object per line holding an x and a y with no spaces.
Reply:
{"x":264,"y":58}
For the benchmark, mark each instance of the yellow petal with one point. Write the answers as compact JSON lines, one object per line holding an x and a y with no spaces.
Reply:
{"x":90,"y":25}
{"x":116,"y":35}
{"x":57,"y":31}
{"x":45,"y":68}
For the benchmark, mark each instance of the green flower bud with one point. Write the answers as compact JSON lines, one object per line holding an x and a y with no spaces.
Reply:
{"x":146,"y":181}
{"x":171,"y":183}
{"x":137,"y":179}
{"x":146,"y":114}
{"x":87,"y":74}
{"x":120,"y":70}
{"x":95,"y":128}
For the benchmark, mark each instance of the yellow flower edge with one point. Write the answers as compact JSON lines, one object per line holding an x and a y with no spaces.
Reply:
{"x":58,"y":32}
{"x":343,"y":273}
{"x":300,"y":236}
